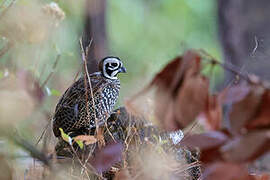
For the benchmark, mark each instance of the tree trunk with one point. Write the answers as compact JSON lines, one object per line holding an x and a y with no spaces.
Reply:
{"x":244,"y":27}
{"x":95,"y":31}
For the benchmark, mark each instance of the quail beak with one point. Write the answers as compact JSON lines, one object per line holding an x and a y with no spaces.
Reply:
{"x":122,"y":70}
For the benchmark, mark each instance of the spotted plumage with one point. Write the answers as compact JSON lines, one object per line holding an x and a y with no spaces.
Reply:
{"x":71,"y":112}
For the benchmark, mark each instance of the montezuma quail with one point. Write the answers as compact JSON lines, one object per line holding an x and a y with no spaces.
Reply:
{"x":71,"y":112}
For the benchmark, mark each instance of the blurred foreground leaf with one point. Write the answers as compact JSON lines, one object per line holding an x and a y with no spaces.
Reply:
{"x":106,"y":157}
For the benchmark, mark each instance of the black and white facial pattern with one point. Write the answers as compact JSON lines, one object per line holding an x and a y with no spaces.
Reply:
{"x":111,"y":67}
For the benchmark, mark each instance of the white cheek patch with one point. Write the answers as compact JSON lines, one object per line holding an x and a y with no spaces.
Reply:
{"x":112,"y":68}
{"x":114,"y":73}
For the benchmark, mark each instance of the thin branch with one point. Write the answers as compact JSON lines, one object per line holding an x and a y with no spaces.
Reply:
{"x":53,"y":69}
{"x":226,"y":66}
{"x":76,"y":76}
{"x":35,"y":153}
{"x":43,"y":132}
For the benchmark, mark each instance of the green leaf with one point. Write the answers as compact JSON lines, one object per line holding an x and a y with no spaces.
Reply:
{"x":65,"y":137}
{"x":55,"y":92}
{"x":80,"y":143}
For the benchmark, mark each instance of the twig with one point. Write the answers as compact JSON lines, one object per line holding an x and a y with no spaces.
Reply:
{"x":76,"y":76}
{"x":226,"y":66}
{"x":35,"y":153}
{"x":83,"y":165}
{"x":108,"y":130}
{"x":42,"y":72}
{"x":53,"y":69}
{"x":42,"y":134}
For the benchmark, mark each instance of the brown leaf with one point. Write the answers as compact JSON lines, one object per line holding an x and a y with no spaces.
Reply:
{"x":212,"y":115}
{"x":208,"y":143}
{"x":86,"y":139}
{"x":226,"y":171}
{"x":247,"y":147}
{"x":191,"y":99}
{"x":262,"y":119}
{"x":245,"y":110}
{"x":106,"y":157}
{"x":234,"y":94}
{"x":211,"y":155}
{"x":165,"y":77}
{"x":166,"y":113}
{"x":210,"y":139}
{"x":181,"y":91}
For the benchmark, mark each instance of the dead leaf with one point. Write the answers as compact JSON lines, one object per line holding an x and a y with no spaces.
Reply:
{"x":191,"y":99}
{"x":181,"y":91}
{"x":211,"y":117}
{"x":234,"y":94}
{"x":106,"y":157}
{"x":245,"y":110}
{"x":86,"y":139}
{"x":165,"y":77}
{"x":208,"y":143}
{"x":262,"y":119}
{"x":226,"y":171}
{"x":247,"y":147}
{"x":210,"y":139}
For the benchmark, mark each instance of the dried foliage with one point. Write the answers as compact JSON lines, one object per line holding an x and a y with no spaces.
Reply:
{"x":236,"y":119}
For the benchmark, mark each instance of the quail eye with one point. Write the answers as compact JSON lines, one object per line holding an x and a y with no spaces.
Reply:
{"x":114,"y":64}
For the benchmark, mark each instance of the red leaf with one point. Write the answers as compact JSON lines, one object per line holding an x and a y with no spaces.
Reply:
{"x":234,"y":94}
{"x":247,"y":147}
{"x":245,"y":110}
{"x":165,"y":77}
{"x":262,"y":119}
{"x":181,"y":91}
{"x":210,"y":139}
{"x":191,"y":99}
{"x":106,"y":157}
{"x":212,"y":115}
{"x":208,"y":143}
{"x":226,"y":171}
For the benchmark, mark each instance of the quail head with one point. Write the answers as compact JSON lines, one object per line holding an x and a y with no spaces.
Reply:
{"x":81,"y":108}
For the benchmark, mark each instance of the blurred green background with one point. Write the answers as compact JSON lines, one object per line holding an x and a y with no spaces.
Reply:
{"x":145,"y":34}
